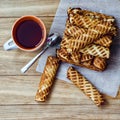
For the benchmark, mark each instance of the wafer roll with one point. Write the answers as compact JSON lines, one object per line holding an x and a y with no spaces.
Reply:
{"x":47,"y":78}
{"x":86,"y":57}
{"x":104,"y":41}
{"x":95,"y":26}
{"x":86,"y":87}
{"x":65,"y":42}
{"x":74,"y":31}
{"x":94,"y":15}
{"x":63,"y":54}
{"x":96,"y":50}
{"x":76,"y":57}
{"x":82,"y":60}
{"x":87,"y":38}
{"x":75,"y":38}
{"x":76,"y":43}
{"x":86,"y":21}
{"x":99,"y":63}
{"x":83,"y":21}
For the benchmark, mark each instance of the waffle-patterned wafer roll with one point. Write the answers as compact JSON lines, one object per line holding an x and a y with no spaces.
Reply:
{"x":70,"y":29}
{"x":63,"y":54}
{"x":73,"y":58}
{"x":85,"y":86}
{"x":96,"y":50}
{"x":104,"y":41}
{"x":86,"y":57}
{"x":82,"y":38}
{"x":87,"y":38}
{"x":87,"y":64}
{"x":47,"y":78}
{"x":75,"y":44}
{"x":83,"y":21}
{"x":91,"y":14}
{"x":99,"y":63}
{"x":101,"y":27}
{"x":76,"y":59}
{"x":65,"y":42}
{"x":73,"y":31}
{"x":86,"y":21}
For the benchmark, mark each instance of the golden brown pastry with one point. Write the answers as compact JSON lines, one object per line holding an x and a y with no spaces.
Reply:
{"x":47,"y":78}
{"x":65,"y":42}
{"x":85,"y":86}
{"x":83,"y":21}
{"x":79,"y":37}
{"x":82,"y":60}
{"x":96,"y":50}
{"x":86,"y":57}
{"x":100,"y":23}
{"x":87,"y":22}
{"x":94,"y":15}
{"x":76,"y":57}
{"x":63,"y":55}
{"x":104,"y":41}
{"x":99,"y":63}
{"x":87,"y":39}
{"x":74,"y":44}
{"x":74,"y":31}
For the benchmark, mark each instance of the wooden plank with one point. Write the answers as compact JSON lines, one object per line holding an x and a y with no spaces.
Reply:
{"x":12,"y":61}
{"x":22,"y":90}
{"x":62,"y":112}
{"x":10,"y":8}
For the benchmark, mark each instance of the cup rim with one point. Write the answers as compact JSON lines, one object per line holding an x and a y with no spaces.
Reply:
{"x":44,"y":33}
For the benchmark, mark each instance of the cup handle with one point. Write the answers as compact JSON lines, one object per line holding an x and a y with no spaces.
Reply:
{"x":9,"y":45}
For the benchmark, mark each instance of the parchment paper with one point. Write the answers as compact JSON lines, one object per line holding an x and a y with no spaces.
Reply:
{"x":108,"y":81}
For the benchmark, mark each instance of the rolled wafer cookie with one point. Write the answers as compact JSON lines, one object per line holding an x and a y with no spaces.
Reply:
{"x":76,"y":38}
{"x":94,"y":15}
{"x":86,"y":57}
{"x":96,"y":50}
{"x":86,"y":87}
{"x":47,"y":78}
{"x":104,"y":41}
{"x":83,"y":60}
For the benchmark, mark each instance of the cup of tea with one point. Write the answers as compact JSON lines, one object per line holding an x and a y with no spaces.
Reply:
{"x":28,"y":34}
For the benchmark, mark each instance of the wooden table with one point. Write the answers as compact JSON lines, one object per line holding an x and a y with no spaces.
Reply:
{"x":17,"y":91}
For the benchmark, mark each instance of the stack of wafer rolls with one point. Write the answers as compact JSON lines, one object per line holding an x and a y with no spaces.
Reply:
{"x":87,"y":39}
{"x":47,"y":78}
{"x":85,"y":86}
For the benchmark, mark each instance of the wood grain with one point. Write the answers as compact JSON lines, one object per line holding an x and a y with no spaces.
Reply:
{"x":17,"y":91}
{"x":13,"y":8}
{"x":53,"y":112}
{"x":22,"y":90}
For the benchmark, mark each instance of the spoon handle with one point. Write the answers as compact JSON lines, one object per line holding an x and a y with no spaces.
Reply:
{"x":30,"y":63}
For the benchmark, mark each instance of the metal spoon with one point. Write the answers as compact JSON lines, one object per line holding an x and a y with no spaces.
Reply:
{"x":52,"y":40}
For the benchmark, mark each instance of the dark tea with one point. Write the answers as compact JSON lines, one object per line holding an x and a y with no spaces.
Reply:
{"x":29,"y":34}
